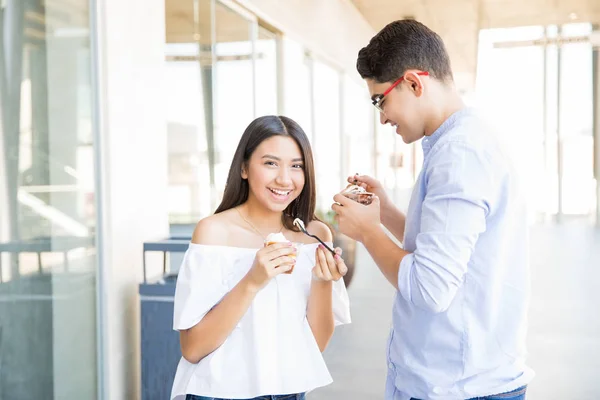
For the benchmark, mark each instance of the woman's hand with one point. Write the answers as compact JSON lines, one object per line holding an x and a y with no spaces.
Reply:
{"x":269,"y":262}
{"x":328,"y":267}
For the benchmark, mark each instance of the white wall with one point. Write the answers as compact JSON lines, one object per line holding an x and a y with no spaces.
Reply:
{"x":596,"y":128}
{"x":333,"y":29}
{"x":131,"y":37}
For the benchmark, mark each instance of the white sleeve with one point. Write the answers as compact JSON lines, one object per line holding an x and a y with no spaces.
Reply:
{"x":340,"y":303}
{"x":200,"y":286}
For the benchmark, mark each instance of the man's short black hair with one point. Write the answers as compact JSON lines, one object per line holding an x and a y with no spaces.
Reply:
{"x":400,"y":46}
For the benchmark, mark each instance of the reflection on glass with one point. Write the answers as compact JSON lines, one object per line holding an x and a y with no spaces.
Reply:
{"x":234,"y":86}
{"x":189,"y":108}
{"x":326,"y":145}
{"x":521,"y":119}
{"x":518,"y":119}
{"x":212,"y":97}
{"x":47,"y":203}
{"x":576,"y":123}
{"x":298,"y":85}
{"x":358,"y":128}
{"x":266,"y":72}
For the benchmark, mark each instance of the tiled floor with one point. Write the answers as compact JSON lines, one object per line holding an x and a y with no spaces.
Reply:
{"x":564,"y":331}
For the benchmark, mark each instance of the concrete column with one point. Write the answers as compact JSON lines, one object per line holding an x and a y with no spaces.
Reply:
{"x":596,"y":111}
{"x":132,"y":140}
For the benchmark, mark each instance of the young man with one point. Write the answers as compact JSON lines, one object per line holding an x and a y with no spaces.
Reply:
{"x":459,"y":316}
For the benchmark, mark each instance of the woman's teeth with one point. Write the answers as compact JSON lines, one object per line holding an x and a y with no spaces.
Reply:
{"x":280,"y":192}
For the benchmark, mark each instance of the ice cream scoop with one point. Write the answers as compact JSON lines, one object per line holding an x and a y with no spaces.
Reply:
{"x":358,"y":194}
{"x":278,"y":237}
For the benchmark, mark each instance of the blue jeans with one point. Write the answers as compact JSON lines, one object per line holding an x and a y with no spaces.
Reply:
{"x":298,"y":396}
{"x":517,"y":394}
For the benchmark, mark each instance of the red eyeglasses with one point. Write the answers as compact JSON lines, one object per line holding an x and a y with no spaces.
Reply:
{"x":378,"y":98}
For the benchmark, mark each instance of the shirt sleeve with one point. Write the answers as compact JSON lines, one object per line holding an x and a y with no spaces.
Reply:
{"x":200,"y":286}
{"x":460,"y":189}
{"x":340,"y":303}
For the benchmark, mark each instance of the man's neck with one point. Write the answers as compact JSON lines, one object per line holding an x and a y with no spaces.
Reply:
{"x":448,"y":103}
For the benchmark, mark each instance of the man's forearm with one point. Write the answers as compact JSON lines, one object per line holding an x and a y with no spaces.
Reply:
{"x":385,"y":252}
{"x":394,"y":221}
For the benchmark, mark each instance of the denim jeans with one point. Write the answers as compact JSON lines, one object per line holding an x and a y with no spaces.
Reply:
{"x":517,"y":394}
{"x":299,"y":396}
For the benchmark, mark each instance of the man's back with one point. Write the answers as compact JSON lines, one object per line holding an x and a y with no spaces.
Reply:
{"x":459,"y":322}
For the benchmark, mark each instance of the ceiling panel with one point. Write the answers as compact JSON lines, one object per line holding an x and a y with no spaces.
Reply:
{"x":459,"y":21}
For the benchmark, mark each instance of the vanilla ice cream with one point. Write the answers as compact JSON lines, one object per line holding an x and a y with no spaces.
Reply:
{"x":275,"y":238}
{"x":278,"y":238}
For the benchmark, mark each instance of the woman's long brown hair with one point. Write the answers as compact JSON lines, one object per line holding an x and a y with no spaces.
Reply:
{"x":237,"y":189}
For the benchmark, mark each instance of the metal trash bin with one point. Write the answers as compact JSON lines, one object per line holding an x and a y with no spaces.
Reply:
{"x":160,"y":351}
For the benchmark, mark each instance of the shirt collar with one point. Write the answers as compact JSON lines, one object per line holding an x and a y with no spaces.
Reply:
{"x":429,"y":141}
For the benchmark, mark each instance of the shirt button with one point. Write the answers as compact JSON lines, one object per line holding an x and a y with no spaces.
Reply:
{"x":391,"y":366}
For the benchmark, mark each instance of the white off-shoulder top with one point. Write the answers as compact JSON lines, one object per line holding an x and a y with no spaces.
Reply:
{"x":272,"y":349}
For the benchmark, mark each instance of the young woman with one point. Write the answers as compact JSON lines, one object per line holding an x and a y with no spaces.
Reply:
{"x":248,"y":329}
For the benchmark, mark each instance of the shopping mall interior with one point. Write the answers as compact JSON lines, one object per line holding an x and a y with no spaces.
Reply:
{"x":119,"y":123}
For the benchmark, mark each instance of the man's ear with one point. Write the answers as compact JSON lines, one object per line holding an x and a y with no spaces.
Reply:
{"x":415,"y":82}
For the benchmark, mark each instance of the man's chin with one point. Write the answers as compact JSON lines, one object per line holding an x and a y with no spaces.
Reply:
{"x":406,"y":139}
{"x":410,"y":139}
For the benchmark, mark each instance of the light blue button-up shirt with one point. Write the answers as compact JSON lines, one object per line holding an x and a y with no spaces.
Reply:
{"x":460,"y":314}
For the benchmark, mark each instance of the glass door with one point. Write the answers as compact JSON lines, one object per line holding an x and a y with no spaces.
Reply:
{"x":48,"y":264}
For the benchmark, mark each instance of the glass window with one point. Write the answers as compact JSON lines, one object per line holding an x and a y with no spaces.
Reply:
{"x":327,"y":135}
{"x":234,"y":86}
{"x":297,"y":84}
{"x":218,"y":82}
{"x":518,"y":119}
{"x":189,"y":109}
{"x":358,"y":129}
{"x":576,"y":123}
{"x":47,"y":203}
{"x":530,"y":119}
{"x":266,"y":72}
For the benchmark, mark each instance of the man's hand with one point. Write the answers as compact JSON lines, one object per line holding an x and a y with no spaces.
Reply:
{"x":356,"y":220}
{"x":374,"y":186}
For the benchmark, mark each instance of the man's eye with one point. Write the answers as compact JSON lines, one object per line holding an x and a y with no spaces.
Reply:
{"x":270,"y":163}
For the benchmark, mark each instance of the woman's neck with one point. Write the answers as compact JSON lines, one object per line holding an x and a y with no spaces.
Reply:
{"x":266,"y":221}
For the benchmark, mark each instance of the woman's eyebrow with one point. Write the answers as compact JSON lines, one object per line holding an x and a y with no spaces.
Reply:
{"x":279,"y":159}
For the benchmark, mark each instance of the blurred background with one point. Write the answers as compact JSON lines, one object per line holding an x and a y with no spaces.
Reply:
{"x":119,"y":120}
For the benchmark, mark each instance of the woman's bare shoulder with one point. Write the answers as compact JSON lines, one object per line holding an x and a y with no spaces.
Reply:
{"x":214,"y":229}
{"x":320,"y":229}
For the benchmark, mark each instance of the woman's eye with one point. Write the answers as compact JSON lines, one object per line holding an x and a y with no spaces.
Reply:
{"x":298,"y":166}
{"x":270,"y":163}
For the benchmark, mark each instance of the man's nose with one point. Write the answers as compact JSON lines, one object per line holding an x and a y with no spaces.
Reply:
{"x":382,"y":118}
